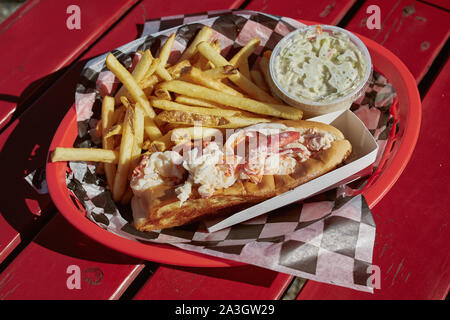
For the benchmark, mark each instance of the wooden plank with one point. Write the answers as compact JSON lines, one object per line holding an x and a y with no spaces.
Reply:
{"x":414,"y":31}
{"x":46,"y":45}
{"x":243,"y":282}
{"x":52,"y":267}
{"x":322,"y":11}
{"x":148,"y":9}
{"x":412,"y":246}
{"x":155,"y":9}
{"x":24,"y":146}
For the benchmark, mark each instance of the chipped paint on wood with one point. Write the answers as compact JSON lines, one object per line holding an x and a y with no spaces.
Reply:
{"x":398,"y":270}
{"x":407,"y":277}
{"x":414,"y":31}
{"x":4,"y":284}
{"x":327,"y":10}
{"x":424,"y":45}
{"x":384,"y":249}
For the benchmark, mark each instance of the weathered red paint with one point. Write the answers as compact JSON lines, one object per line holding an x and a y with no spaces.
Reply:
{"x":241,"y":282}
{"x":412,"y":30}
{"x":35,"y":43}
{"x":322,"y":11}
{"x":41,"y":270}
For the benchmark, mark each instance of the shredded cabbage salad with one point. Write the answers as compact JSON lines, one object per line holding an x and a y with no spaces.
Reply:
{"x":320,"y":66}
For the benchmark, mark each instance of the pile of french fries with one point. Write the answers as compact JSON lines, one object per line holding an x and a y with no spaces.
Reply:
{"x":158,"y":104}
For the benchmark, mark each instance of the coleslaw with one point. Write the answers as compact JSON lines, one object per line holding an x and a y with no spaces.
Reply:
{"x":319,"y":65}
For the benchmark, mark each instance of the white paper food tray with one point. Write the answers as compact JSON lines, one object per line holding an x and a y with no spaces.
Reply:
{"x":364,"y":153}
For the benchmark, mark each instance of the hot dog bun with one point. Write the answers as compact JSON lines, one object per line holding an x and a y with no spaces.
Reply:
{"x":158,"y":207}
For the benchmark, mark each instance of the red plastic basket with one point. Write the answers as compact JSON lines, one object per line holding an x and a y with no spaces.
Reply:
{"x":396,"y":155}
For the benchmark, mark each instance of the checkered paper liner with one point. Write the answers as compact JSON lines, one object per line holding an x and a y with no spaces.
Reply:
{"x":327,"y":238}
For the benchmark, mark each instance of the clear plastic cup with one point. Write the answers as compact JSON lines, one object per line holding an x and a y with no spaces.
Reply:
{"x":313,"y":108}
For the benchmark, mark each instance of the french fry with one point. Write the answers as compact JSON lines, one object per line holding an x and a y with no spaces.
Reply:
{"x":197,"y":76}
{"x":146,"y":144}
{"x":150,"y":126}
{"x":244,"y":69}
{"x":150,"y":71}
{"x":138,"y":131}
{"x":221,"y":72}
{"x":148,"y":90}
{"x":126,"y":103}
{"x":173,"y":106}
{"x":148,"y":84}
{"x":194,"y":59}
{"x":161,"y":144}
{"x":203,"y":64}
{"x":259,"y":80}
{"x":200,"y":62}
{"x":264,"y":67}
{"x":240,"y":59}
{"x":252,"y":89}
{"x":170,"y":126}
{"x":151,"y":130}
{"x":162,"y":94}
{"x":197,"y":102}
{"x":180,"y":135}
{"x":98,"y":128}
{"x":238,"y":79}
{"x":117,"y":139}
{"x":163,"y":73}
{"x":245,"y":52}
{"x":164,"y":54}
{"x":119,"y":114}
{"x":176,"y":69}
{"x":213,"y":121}
{"x":113,"y":131}
{"x":107,"y":142}
{"x":128,"y":81}
{"x":138,"y":73}
{"x":156,"y":146}
{"x":158,"y":123}
{"x":84,"y":154}
{"x":258,"y":107}
{"x":216,"y":45}
{"x":125,"y":156}
{"x":203,"y":35}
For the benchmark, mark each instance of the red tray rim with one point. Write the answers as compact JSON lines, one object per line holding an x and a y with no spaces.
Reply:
{"x":166,"y":254}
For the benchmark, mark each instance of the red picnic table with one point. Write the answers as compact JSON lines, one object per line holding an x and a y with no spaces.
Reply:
{"x":42,"y":60}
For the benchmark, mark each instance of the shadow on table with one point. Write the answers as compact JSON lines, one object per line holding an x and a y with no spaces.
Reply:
{"x":24,"y":145}
{"x":247,"y":274}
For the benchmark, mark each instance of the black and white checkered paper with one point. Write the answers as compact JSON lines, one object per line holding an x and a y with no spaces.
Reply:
{"x":327,"y":238}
